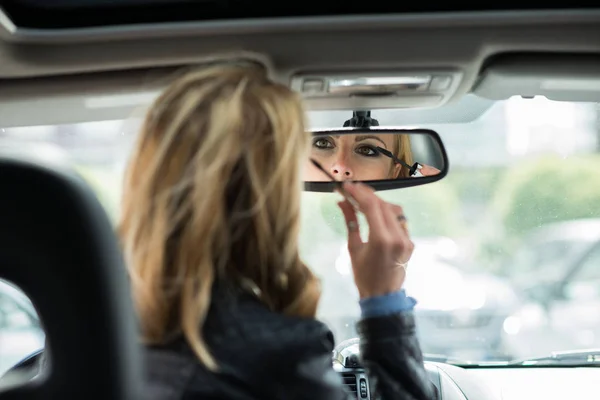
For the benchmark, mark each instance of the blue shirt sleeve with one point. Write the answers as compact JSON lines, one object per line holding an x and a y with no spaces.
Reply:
{"x":387,"y":304}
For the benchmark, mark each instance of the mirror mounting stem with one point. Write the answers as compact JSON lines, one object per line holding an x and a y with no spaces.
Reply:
{"x":361,"y":119}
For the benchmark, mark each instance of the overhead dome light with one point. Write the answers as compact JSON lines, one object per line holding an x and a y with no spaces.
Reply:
{"x":370,"y":90}
{"x":379,"y":84}
{"x":351,"y":84}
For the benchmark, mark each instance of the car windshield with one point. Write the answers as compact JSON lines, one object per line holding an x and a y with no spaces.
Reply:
{"x":496,"y":272}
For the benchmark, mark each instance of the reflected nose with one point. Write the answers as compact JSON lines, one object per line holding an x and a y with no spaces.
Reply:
{"x":341,"y":171}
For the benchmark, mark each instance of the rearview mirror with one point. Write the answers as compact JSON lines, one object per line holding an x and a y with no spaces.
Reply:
{"x":383,"y":158}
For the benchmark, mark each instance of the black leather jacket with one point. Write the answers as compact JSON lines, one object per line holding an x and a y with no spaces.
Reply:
{"x":265,"y":355}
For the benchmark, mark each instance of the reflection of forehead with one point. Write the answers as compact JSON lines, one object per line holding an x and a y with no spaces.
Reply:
{"x":360,"y":138}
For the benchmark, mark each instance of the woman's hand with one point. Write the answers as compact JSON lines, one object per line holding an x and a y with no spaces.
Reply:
{"x":428,"y":170}
{"x":376,"y":264}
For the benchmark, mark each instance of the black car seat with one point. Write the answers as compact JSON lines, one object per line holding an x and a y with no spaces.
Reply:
{"x":58,"y":246}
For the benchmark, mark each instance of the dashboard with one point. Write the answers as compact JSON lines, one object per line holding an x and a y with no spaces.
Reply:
{"x":452,"y":382}
{"x":456,"y":383}
{"x":485,"y":383}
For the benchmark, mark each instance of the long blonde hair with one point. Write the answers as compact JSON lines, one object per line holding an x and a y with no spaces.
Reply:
{"x":403,"y":151}
{"x":212,"y":193}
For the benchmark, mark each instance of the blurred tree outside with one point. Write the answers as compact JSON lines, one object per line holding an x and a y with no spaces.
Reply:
{"x":534,"y":193}
{"x":476,"y":186}
{"x":549,"y":189}
{"x":432,"y":210}
{"x":597,"y":126}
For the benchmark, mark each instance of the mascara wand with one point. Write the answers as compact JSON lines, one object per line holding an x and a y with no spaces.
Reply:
{"x":413,"y":171}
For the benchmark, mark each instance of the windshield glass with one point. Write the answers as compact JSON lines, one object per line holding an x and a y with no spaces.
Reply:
{"x":490,"y":284}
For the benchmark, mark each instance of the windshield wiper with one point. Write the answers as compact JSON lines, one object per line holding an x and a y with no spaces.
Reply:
{"x":563,"y":358}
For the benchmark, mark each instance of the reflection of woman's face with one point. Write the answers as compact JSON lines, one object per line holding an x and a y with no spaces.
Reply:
{"x":351,"y":157}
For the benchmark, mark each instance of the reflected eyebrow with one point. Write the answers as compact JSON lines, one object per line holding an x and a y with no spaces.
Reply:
{"x":365,"y":137}
{"x":326,"y":137}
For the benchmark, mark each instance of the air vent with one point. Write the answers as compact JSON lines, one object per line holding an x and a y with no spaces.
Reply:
{"x":350,"y":383}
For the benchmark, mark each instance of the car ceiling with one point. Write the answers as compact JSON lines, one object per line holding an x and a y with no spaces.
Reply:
{"x":54,"y":70}
{"x":60,"y":14}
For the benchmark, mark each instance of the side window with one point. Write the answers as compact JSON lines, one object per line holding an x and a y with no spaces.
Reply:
{"x":585,"y":283}
{"x":20,"y":330}
{"x":14,"y":316}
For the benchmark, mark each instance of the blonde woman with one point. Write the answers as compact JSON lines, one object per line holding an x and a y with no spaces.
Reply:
{"x":211,"y":209}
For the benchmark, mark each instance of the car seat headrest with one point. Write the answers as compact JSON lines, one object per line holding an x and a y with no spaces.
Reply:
{"x":58,"y":245}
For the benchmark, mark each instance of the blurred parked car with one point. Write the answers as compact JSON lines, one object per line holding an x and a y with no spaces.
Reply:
{"x":459,"y":315}
{"x":559,"y":271}
{"x":20,"y":330}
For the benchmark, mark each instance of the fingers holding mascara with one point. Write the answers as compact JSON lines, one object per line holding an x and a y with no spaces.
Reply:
{"x":428,"y":170}
{"x":375,"y":263}
{"x":371,"y":206}
{"x":354,"y":239}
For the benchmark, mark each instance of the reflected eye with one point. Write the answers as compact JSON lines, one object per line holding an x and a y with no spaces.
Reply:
{"x":322,"y":143}
{"x":367,"y":151}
